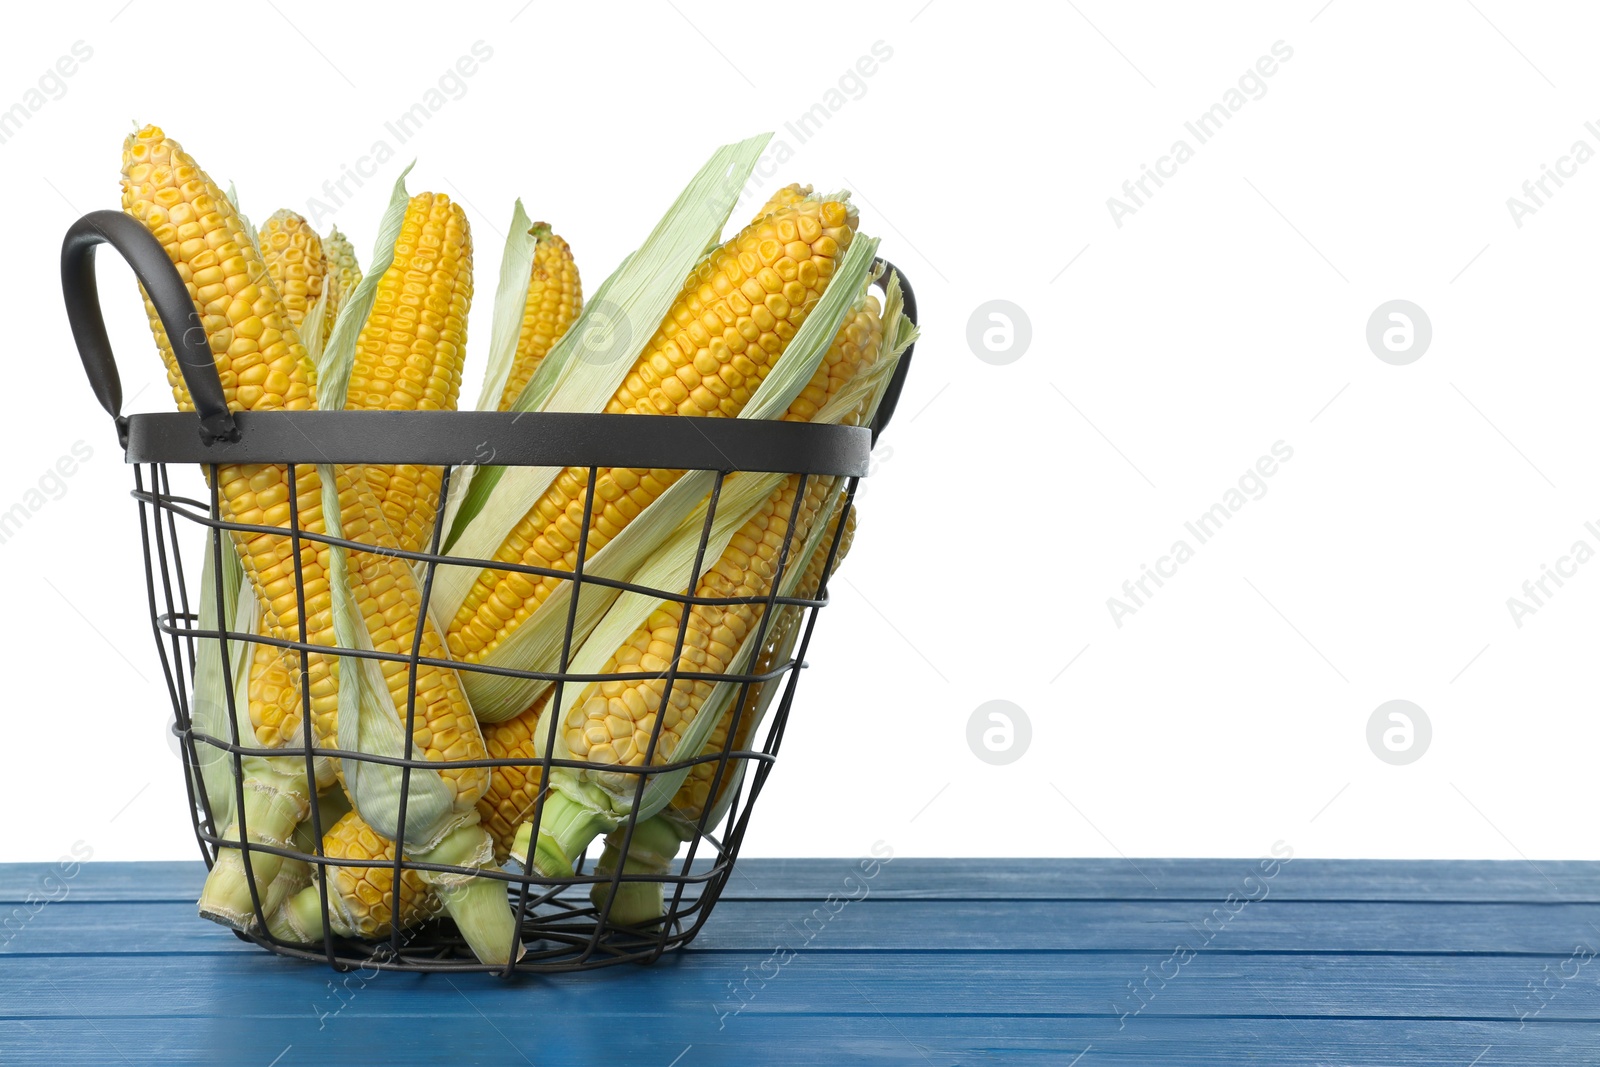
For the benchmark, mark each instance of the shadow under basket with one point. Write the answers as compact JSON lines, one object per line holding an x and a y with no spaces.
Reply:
{"x":560,"y":928}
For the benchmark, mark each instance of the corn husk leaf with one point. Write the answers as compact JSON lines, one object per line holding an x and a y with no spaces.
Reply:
{"x":536,"y":643}
{"x":510,"y":300}
{"x":584,"y":369}
{"x":250,"y":231}
{"x":313,"y":329}
{"x":208,"y":709}
{"x":369,"y":721}
{"x":338,"y":355}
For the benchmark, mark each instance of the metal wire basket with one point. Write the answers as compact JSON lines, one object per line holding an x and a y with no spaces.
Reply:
{"x":560,"y":927}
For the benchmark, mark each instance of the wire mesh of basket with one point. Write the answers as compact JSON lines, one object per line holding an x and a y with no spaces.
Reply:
{"x":176,"y":457}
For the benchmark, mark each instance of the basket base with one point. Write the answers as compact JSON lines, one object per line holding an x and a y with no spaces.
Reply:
{"x":563,"y":933}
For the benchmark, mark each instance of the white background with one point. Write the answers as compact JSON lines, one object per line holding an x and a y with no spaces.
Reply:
{"x":1228,"y":313}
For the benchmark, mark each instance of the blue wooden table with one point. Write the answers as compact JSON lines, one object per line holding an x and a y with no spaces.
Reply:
{"x":931,"y":962}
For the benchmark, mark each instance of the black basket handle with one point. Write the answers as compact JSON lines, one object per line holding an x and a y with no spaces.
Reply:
{"x":891,"y":395}
{"x":181,"y":320}
{"x":171,"y":298}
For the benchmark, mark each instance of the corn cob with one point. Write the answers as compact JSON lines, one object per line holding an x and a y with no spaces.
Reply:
{"x":432,"y":267}
{"x":690,"y":802}
{"x":265,"y":366}
{"x":344,"y":271}
{"x":409,"y":356}
{"x":410,"y":352}
{"x":275,"y":706}
{"x":360,"y":899}
{"x":261,"y":363}
{"x":555,"y":297}
{"x":512,"y":791}
{"x":655,"y":840}
{"x":789,"y":195}
{"x":294,"y":258}
{"x":361,"y":895}
{"x":729,"y":324}
{"x":274,"y":695}
{"x":612,"y":722}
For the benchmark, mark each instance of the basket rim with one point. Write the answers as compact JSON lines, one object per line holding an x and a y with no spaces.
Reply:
{"x":506,"y":438}
{"x":215,"y":424}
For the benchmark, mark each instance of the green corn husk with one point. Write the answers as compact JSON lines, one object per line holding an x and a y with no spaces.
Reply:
{"x":250,"y":230}
{"x":294,"y":875}
{"x":510,"y":299}
{"x":313,"y":328}
{"x":208,"y":710}
{"x":368,"y":721}
{"x":650,"y":855}
{"x":276,"y":794}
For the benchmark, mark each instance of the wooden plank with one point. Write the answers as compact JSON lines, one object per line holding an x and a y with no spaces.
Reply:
{"x":100,"y":882}
{"x":695,"y":984}
{"x":1177,"y":879}
{"x":70,"y":928}
{"x":802,"y":1041}
{"x":1094,"y":926}
{"x":1543,"y":881}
